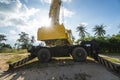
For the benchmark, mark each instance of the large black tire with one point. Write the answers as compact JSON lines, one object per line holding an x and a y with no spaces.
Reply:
{"x":79,"y":54}
{"x":44,"y":55}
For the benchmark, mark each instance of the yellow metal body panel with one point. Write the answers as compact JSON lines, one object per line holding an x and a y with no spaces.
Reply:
{"x":56,"y":32}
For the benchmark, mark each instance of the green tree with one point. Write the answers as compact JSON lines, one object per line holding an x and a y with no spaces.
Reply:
{"x":32,"y":40}
{"x":109,"y":44}
{"x":2,"y":42}
{"x":119,"y":29}
{"x":82,"y":31}
{"x":99,"y":30}
{"x":7,"y":46}
{"x":2,"y":38}
{"x":24,"y":41}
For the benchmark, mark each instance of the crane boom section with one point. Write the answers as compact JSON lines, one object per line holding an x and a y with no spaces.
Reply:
{"x":55,"y":11}
{"x":56,"y":32}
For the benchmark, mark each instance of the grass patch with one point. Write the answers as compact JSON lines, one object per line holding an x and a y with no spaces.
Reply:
{"x":113,"y":54}
{"x":7,"y":50}
{"x":22,"y":51}
{"x":114,"y":60}
{"x":15,"y":58}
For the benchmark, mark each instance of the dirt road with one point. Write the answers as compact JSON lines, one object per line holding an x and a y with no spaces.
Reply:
{"x":56,"y":70}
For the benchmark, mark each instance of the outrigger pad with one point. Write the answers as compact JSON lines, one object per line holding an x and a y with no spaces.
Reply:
{"x":10,"y":67}
{"x":118,"y":68}
{"x":20,"y":62}
{"x":112,"y":66}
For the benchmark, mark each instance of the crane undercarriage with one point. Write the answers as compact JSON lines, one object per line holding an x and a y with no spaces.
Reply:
{"x":78,"y":53}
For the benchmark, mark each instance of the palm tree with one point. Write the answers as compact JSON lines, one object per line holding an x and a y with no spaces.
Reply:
{"x":82,"y":31}
{"x":99,"y":30}
{"x":2,"y":38}
{"x":119,"y":28}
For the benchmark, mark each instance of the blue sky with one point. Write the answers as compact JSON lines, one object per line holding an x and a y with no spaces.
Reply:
{"x":28,"y":15}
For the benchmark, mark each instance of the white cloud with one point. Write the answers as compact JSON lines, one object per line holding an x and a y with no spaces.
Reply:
{"x":66,"y":0}
{"x":26,"y":1}
{"x":13,"y":32}
{"x":15,"y":14}
{"x":6,"y":1}
{"x":12,"y":36}
{"x":45,"y":1}
{"x":10,"y":5}
{"x":66,"y":12}
{"x":49,"y":1}
{"x":84,"y":23}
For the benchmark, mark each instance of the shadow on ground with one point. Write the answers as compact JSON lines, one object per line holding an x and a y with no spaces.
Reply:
{"x":29,"y":67}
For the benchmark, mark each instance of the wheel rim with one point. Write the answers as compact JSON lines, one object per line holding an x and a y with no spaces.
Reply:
{"x":79,"y":54}
{"x":44,"y":55}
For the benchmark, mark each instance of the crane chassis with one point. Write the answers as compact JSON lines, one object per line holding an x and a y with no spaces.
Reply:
{"x":78,"y":52}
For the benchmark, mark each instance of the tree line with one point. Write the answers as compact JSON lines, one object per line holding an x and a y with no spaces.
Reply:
{"x":107,"y":44}
{"x":23,"y":42}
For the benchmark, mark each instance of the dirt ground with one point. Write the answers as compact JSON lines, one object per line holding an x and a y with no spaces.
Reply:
{"x":55,"y":70}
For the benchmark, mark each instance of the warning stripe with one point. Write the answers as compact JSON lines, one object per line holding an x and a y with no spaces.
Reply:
{"x":108,"y":64}
{"x":20,"y":62}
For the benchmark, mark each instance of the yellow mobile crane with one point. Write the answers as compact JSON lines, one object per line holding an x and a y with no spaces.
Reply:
{"x":57,"y":31}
